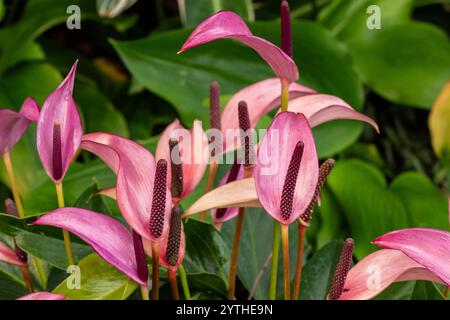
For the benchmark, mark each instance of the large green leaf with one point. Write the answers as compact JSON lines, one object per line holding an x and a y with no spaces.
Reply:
{"x":407,"y":63}
{"x":99,"y":281}
{"x":183,"y":80}
{"x":45,"y":243}
{"x":318,"y":272}
{"x":195,"y":11}
{"x":348,"y":19}
{"x":372,"y":207}
{"x":255,"y":249}
{"x":38,"y":17}
{"x":206,"y":250}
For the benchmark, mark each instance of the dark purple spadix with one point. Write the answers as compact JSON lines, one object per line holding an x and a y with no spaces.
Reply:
{"x":338,"y":284}
{"x":159,"y":200}
{"x":57,"y":152}
{"x":286,"y":28}
{"x":174,"y":241}
{"x":231,"y":177}
{"x":290,"y":182}
{"x":20,"y":254}
{"x":176,"y":168}
{"x":10,"y":207}
{"x":246,"y":138}
{"x":324,"y":171}
{"x":214,"y":101}
{"x":139,"y":253}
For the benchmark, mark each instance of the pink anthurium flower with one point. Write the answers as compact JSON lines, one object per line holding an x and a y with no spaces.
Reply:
{"x":43,"y":296}
{"x":59,"y":129}
{"x":14,"y":124}
{"x":9,"y":256}
{"x":284,"y":170}
{"x":227,"y":24}
{"x":191,"y":145}
{"x":135,"y":168}
{"x":107,"y":236}
{"x":410,"y":254}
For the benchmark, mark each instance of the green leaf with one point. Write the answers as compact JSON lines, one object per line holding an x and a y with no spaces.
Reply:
{"x":398,"y":291}
{"x":99,"y":113}
{"x":99,"y":281}
{"x":426,"y":290}
{"x":255,"y":249}
{"x":207,"y":283}
{"x":45,"y":243}
{"x":406,"y":63}
{"x":33,"y":23}
{"x":11,"y":285}
{"x":192,"y":12}
{"x":183,"y":80}
{"x":206,"y":250}
{"x":373,"y":208}
{"x":348,"y":19}
{"x":318,"y":272}
{"x":427,"y":206}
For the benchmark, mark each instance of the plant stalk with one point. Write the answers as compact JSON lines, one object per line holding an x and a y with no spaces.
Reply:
{"x":298,"y":270}
{"x":27,"y":278}
{"x":287,"y":276}
{"x":66,"y":235}
{"x":212,"y":172}
{"x":184,"y":282}
{"x":13,"y":183}
{"x":284,"y":94}
{"x":155,"y":270}
{"x":172,"y":274}
{"x":275,"y":254}
{"x":144,"y":293}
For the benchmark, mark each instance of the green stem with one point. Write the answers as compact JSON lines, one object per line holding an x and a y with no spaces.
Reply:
{"x":13,"y":184}
{"x":275,"y":254}
{"x":184,"y":283}
{"x":40,"y":270}
{"x":60,"y":195}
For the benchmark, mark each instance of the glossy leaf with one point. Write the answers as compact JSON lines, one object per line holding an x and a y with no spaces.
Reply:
{"x":99,"y":281}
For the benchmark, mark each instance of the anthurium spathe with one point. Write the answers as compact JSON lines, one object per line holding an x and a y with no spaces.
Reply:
{"x":14,"y":124}
{"x":410,"y":254}
{"x":191,"y":145}
{"x":43,"y":296}
{"x":107,"y":236}
{"x":59,"y":129}
{"x":9,"y":256}
{"x":135,"y":168}
{"x":227,"y":24}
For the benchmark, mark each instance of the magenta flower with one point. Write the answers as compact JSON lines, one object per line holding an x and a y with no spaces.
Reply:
{"x":14,"y":124}
{"x":285,"y":176}
{"x":227,"y":24}
{"x":107,"y":236}
{"x":191,"y":145}
{"x":410,"y":254}
{"x":9,"y":256}
{"x":135,"y":168}
{"x":43,"y":296}
{"x":59,"y":129}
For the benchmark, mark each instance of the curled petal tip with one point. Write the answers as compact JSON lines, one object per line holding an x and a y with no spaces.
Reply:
{"x":43,"y":296}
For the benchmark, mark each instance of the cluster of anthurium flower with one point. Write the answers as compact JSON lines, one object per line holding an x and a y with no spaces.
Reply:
{"x":149,"y":188}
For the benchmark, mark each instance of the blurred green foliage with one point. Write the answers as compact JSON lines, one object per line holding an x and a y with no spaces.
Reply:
{"x":131,"y":82}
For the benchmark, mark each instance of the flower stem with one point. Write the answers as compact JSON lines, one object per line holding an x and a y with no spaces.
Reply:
{"x":236,"y":240}
{"x":287,"y":276}
{"x":184,"y":283}
{"x":144,"y":293}
{"x":447,"y":291}
{"x":155,"y":270}
{"x":27,"y":278}
{"x":298,"y":270}
{"x":172,"y":274}
{"x":40,"y":270}
{"x":234,"y":255}
{"x":284,"y":94}
{"x":66,"y":235}
{"x":212,"y":172}
{"x":13,"y":183}
{"x":275,"y":254}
